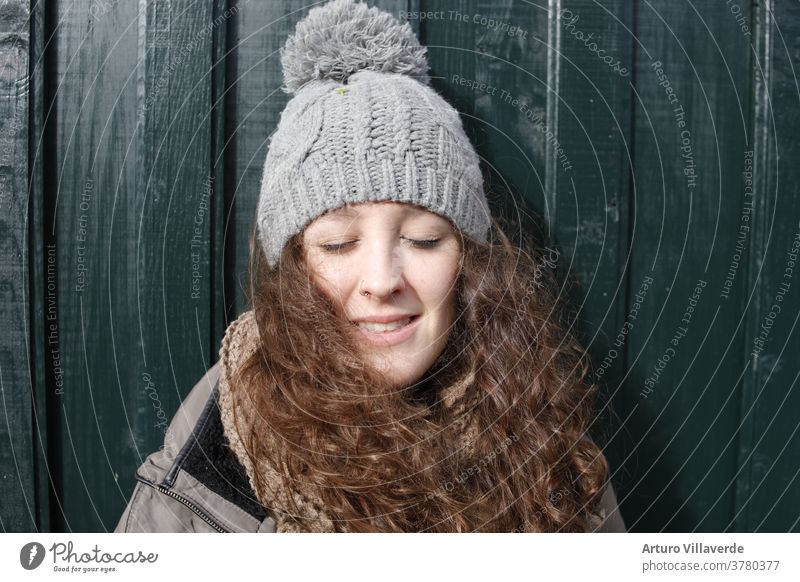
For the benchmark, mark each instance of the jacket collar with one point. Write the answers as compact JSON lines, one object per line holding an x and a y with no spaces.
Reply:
{"x":204,"y":474}
{"x":207,"y":457}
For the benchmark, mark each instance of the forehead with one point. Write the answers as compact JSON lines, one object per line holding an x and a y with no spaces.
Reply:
{"x":367,"y":210}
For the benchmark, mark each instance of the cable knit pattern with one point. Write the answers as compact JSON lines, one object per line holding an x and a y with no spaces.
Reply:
{"x":240,"y":341}
{"x":363,"y":126}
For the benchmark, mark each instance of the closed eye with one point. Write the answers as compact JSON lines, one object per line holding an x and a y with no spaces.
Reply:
{"x":424,"y":244}
{"x":416,"y":243}
{"x":335,"y":248}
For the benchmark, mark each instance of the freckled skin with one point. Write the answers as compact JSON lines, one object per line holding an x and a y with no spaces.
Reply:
{"x":381,"y":251}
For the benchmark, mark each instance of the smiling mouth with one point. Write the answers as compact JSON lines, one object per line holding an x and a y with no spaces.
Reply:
{"x":385,"y":327}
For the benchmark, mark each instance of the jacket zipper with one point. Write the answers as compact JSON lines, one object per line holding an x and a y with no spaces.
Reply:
{"x":191,"y":505}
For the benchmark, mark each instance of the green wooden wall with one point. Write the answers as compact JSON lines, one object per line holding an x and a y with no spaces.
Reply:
{"x":651,"y":144}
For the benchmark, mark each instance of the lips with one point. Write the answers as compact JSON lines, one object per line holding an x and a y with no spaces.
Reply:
{"x":387,"y":334}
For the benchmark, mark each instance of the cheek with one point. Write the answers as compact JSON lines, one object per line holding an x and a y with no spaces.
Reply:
{"x":334,"y":283}
{"x":437,"y":280}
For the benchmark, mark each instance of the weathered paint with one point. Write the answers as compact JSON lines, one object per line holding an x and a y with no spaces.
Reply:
{"x":645,"y":134}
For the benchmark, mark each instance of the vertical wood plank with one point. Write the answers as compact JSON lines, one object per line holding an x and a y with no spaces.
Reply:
{"x":224,"y":15}
{"x":40,"y":325}
{"x":684,"y":366}
{"x":768,"y":487}
{"x":509,"y":50}
{"x":18,"y":499}
{"x":131,"y":190}
{"x":591,"y":149}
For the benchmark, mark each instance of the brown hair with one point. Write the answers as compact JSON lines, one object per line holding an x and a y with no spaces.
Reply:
{"x":383,"y":459}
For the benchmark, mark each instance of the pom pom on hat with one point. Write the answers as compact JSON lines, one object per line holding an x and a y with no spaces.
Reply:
{"x":343,"y":37}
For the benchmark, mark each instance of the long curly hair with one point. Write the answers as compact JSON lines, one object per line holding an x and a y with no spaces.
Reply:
{"x":387,"y":459}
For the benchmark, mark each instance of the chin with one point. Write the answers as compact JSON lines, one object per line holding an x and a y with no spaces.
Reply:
{"x":404,"y":368}
{"x":401,"y":376}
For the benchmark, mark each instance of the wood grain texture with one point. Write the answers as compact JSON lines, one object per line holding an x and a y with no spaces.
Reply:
{"x":654,"y":139}
{"x":691,"y":110}
{"x":18,"y":499}
{"x":130,"y":182}
{"x":221,"y":203}
{"x":768,"y":486}
{"x":39,"y":346}
{"x":589,"y":172}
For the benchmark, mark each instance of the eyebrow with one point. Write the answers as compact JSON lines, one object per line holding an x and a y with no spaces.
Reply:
{"x":352,"y":212}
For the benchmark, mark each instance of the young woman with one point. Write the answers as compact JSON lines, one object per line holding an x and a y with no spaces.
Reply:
{"x":404,"y":367}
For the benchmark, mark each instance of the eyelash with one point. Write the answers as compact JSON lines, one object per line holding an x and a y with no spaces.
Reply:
{"x":420,"y":244}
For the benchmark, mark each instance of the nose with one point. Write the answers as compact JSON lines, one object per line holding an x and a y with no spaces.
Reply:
{"x":382,"y":274}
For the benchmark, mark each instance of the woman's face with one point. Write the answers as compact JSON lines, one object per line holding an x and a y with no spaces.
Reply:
{"x":392,"y":268}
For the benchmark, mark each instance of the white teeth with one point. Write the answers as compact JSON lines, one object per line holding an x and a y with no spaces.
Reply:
{"x":380,"y":327}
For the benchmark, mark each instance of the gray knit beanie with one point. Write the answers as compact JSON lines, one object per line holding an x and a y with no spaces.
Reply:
{"x":363,"y":125}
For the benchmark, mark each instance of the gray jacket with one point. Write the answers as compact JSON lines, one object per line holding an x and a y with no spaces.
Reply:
{"x":195,"y":483}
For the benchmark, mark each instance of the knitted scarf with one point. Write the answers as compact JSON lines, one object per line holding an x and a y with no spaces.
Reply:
{"x":240,"y":341}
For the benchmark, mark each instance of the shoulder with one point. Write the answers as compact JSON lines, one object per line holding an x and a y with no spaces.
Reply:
{"x":194,"y":483}
{"x":148,"y":509}
{"x":191,"y":408}
{"x":609,"y":510}
{"x":610,"y":518}
{"x":241,"y":339}
{"x":156,"y":466}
